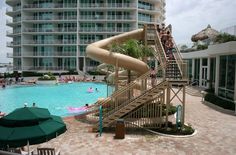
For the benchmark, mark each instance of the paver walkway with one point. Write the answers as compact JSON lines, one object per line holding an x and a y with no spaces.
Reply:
{"x":216,"y":135}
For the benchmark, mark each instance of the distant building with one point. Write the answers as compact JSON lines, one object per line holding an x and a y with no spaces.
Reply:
{"x":51,"y":35}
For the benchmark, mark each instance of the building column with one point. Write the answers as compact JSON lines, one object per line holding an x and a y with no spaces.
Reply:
{"x":217,"y":74}
{"x":193,"y":69}
{"x":200,"y":74}
{"x":85,"y":67}
{"x":208,"y":71}
{"x":235,"y":90}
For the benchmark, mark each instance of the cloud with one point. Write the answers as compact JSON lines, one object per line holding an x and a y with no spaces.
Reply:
{"x":191,"y":16}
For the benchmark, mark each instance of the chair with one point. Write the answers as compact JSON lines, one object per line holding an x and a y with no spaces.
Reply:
{"x":19,"y":151}
{"x":47,"y":151}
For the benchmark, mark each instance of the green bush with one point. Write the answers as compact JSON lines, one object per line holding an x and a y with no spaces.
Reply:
{"x":219,"y":101}
{"x":31,"y":74}
{"x":223,"y":38}
{"x":202,"y":47}
{"x":47,"y":77}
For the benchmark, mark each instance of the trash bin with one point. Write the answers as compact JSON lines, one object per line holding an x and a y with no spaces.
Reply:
{"x":120,"y":129}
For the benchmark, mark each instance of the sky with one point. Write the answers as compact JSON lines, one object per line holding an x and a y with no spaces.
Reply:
{"x":187,"y":17}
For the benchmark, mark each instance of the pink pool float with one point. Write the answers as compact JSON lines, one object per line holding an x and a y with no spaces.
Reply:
{"x":77,"y":109}
{"x":90,"y":90}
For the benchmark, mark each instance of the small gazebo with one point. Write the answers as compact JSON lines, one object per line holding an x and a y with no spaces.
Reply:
{"x":206,"y":34}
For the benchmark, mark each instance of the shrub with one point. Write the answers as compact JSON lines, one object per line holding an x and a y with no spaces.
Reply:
{"x":46,"y":77}
{"x":202,"y":47}
{"x":223,"y":38}
{"x":219,"y":101}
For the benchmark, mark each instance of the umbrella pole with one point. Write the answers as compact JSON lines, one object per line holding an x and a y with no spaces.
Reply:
{"x":28,"y":147}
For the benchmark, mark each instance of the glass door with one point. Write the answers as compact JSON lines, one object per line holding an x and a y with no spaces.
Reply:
{"x":204,"y":77}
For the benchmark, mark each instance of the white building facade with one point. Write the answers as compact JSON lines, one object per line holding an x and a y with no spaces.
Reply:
{"x":52,"y":35}
{"x":215,"y":68}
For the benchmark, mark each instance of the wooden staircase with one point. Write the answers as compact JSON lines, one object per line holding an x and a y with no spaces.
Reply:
{"x":132,"y":104}
{"x":173,"y":72}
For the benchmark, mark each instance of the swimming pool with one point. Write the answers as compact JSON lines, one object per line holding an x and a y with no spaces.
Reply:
{"x":56,"y":98}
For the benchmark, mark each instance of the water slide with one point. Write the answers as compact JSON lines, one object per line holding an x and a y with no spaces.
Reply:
{"x":98,"y":51}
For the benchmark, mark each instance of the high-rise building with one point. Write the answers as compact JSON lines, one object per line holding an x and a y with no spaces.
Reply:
{"x":52,"y":34}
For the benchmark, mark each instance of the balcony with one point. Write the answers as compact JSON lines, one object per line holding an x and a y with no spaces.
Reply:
{"x":107,"y":5}
{"x":105,"y":29}
{"x":48,"y":68}
{"x":13,"y":33}
{"x":45,"y":42}
{"x":53,"y":30}
{"x":14,"y":21}
{"x":13,"y":43}
{"x":51,"y":5}
{"x":53,"y":54}
{"x":12,"y":55}
{"x":12,"y":11}
{"x":51,"y":18}
{"x":109,"y":17}
{"x":11,"y":2}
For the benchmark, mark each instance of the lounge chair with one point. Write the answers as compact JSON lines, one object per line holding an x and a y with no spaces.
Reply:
{"x":47,"y":151}
{"x":20,"y":151}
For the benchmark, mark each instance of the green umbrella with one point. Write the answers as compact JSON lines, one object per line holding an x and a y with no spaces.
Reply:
{"x":37,"y":131}
{"x":25,"y":116}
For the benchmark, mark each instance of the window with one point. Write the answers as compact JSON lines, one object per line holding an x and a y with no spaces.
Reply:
{"x":227,"y":76}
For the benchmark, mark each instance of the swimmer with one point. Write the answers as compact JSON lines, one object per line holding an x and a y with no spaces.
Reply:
{"x":96,"y":90}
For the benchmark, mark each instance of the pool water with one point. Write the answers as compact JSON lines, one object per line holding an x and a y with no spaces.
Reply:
{"x":56,"y":98}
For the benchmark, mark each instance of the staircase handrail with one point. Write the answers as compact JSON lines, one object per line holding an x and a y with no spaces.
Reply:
{"x":129,"y":101}
{"x":128,"y":87}
{"x":158,"y":41}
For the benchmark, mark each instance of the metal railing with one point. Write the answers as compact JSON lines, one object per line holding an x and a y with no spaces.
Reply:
{"x":49,"y":42}
{"x":53,"y":54}
{"x":50,"y":5}
{"x":50,"y":17}
{"x":13,"y":43}
{"x":106,"y":29}
{"x":48,"y":68}
{"x":50,"y":30}
{"x":107,"y":5}
{"x":108,"y":17}
{"x":10,"y":32}
{"x":15,"y":20}
{"x":13,"y":9}
{"x":11,"y":55}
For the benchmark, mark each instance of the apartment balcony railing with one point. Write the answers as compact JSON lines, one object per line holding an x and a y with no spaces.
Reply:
{"x":15,"y":20}
{"x":50,"y":5}
{"x":17,"y":68}
{"x":10,"y":32}
{"x":48,"y":68}
{"x":140,"y":19}
{"x":50,"y":42}
{"x":105,"y":5}
{"x":146,"y":8}
{"x":105,"y":29}
{"x":50,"y":17}
{"x":51,"y":30}
{"x":13,"y":43}
{"x":53,"y":54}
{"x":88,"y":41}
{"x":11,"y":55}
{"x":13,"y":9}
{"x":109,"y":17}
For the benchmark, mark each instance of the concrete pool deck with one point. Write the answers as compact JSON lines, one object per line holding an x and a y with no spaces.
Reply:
{"x":216,"y":134}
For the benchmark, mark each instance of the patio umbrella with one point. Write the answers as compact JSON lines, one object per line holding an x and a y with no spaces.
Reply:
{"x":32,"y":130}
